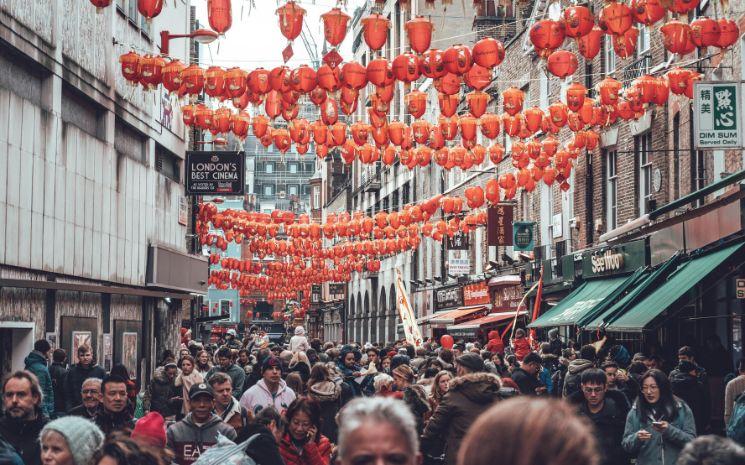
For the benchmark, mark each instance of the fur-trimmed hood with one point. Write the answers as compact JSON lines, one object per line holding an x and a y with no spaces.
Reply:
{"x":325,"y":391}
{"x":478,"y":387}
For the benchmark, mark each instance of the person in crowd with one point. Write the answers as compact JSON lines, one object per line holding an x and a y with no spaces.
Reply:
{"x":520,"y":345}
{"x":91,"y":395}
{"x":302,"y":442}
{"x":494,"y":363}
{"x":495,"y":344}
{"x":606,"y":409}
{"x":299,"y":363}
{"x":8,"y":455}
{"x":348,"y":366}
{"x":58,"y":371}
{"x":225,"y":365}
{"x":734,"y":388}
{"x":312,"y":355}
{"x":226,"y":407}
{"x":204,"y":362}
{"x":84,"y":369}
{"x":113,"y":414}
{"x":190,"y":437}
{"x":526,"y":376}
{"x":383,"y":384}
{"x":586,"y":360}
{"x":655,"y":362}
{"x":377,"y":430}
{"x":458,"y":350}
{"x":446,"y":359}
{"x":122,"y":372}
{"x":188,"y":377}
{"x":231,"y":340}
{"x":182,"y":353}
{"x":469,"y":394}
{"x":270,"y":391}
{"x":688,"y":387}
{"x":151,"y":429}
{"x":295,"y":382}
{"x":659,"y":425}
{"x":619,"y":380}
{"x":328,"y":395}
{"x":244,"y":361}
{"x":531,"y":432}
{"x":555,"y":345}
{"x":712,"y":450}
{"x":268,"y":427}
{"x":412,"y":394}
{"x":440,"y":386}
{"x":298,"y":342}
{"x":163,"y":395}
{"x":121,"y":450}
{"x":24,"y":418}
{"x":36,"y":363}
{"x":385,"y":365}
{"x":373,"y":357}
{"x":70,"y":441}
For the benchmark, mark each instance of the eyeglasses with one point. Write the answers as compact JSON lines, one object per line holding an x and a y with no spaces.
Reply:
{"x":90,"y":391}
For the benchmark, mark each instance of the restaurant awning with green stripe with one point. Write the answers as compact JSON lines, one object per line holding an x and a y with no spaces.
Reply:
{"x":578,"y":303}
{"x":677,"y":284}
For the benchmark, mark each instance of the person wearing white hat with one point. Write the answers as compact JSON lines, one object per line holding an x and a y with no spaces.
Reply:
{"x":70,"y":441}
{"x":298,"y":342}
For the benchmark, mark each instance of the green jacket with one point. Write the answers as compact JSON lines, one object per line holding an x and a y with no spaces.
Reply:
{"x":661,"y":448}
{"x":36,"y":363}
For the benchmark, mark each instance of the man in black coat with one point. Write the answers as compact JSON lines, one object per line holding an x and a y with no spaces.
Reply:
{"x":606,"y":409}
{"x":23,"y":420}
{"x":526,"y":376}
{"x":113,"y":413}
{"x":84,"y":369}
{"x":688,"y":386}
{"x":58,"y":372}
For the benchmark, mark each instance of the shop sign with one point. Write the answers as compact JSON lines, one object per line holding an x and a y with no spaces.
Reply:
{"x":522,"y":235}
{"x":315,"y":293}
{"x":606,"y":261}
{"x":448,"y":297}
{"x":476,"y":294}
{"x":336,"y":289}
{"x":458,"y":242}
{"x":459,"y":263}
{"x":183,"y":211}
{"x":508,"y":297}
{"x":717,"y":115}
{"x":215,"y":173}
{"x":499,"y":225}
{"x":615,"y":260}
{"x":740,"y":288}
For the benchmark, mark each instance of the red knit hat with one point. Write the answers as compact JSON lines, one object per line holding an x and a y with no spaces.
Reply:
{"x":151,"y":430}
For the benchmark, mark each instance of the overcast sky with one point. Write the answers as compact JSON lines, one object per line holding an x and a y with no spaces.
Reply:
{"x":255,"y":40}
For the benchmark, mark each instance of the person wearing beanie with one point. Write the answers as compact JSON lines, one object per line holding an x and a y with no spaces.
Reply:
{"x":70,"y":441}
{"x":151,"y":430}
{"x":469,"y":394}
{"x":270,"y":391}
{"x":298,"y":342}
{"x":349,"y":367}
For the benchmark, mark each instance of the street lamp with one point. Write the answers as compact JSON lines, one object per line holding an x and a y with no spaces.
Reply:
{"x":202,"y":36}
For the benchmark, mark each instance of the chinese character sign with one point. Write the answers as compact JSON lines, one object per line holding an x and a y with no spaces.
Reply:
{"x":499,"y":225}
{"x":717,"y":118}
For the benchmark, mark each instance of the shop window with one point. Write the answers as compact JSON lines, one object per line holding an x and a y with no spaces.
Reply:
{"x":611,"y":189}
{"x":643,"y":149}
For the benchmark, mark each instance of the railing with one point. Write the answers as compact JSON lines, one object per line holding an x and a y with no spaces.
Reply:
{"x":637,"y":69}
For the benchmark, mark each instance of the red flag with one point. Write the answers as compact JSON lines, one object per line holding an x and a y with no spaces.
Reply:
{"x":536,"y":308}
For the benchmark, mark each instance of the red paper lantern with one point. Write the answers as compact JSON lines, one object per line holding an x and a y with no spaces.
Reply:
{"x":615,"y":17}
{"x":478,"y":77}
{"x":375,"y":30}
{"x":235,"y":82}
{"x":457,"y":59}
{"x":149,"y":8}
{"x":625,"y":44}
{"x":303,"y":79}
{"x":578,"y":21}
{"x":477,"y":101}
{"x":647,"y":12}
{"x":677,"y":37}
{"x":214,"y":81}
{"x":533,"y":119}
{"x":171,"y":75}
{"x":589,"y":45}
{"x":419,"y":31}
{"x":547,"y":34}
{"x":488,"y":52}
{"x":448,"y":84}
{"x":219,"y":15}
{"x":406,"y":67}
{"x":489,"y":125}
{"x":432,"y":65}
{"x":130,"y":66}
{"x":562,"y":63}
{"x":258,"y":81}
{"x":151,"y":68}
{"x":291,"y":19}
{"x":416,"y":103}
{"x":729,"y":32}
{"x":608,"y":89}
{"x":335,"y":26}
{"x":99,"y":4}
{"x":193,"y":79}
{"x":683,"y":6}
{"x":353,"y":75}
{"x":448,"y":104}
{"x":328,"y":78}
{"x":575,"y":96}
{"x":512,"y":99}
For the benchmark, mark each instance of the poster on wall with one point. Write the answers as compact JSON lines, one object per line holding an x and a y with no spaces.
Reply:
{"x":129,"y":353}
{"x":79,"y":339}
{"x":52,"y":340}
{"x":107,"y":352}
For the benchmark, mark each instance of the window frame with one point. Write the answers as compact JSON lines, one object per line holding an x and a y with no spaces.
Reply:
{"x":643,"y":152}
{"x":609,"y":56}
{"x":610,"y":176}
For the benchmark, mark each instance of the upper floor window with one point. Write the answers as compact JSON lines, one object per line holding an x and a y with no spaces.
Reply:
{"x":269,"y":168}
{"x":611,"y":189}
{"x":609,"y":55}
{"x":643,"y":149}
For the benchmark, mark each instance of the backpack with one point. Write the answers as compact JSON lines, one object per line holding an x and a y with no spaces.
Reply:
{"x":736,"y":425}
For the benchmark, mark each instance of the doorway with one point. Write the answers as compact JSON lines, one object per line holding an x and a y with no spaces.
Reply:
{"x":16,"y":342}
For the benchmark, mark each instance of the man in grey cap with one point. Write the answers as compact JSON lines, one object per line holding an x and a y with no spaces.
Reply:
{"x":471,"y":393}
{"x":198,"y":431}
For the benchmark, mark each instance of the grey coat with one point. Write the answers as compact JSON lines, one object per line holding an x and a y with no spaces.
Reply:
{"x":661,"y":448}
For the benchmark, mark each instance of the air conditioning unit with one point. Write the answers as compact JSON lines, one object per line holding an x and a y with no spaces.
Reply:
{"x":281,"y":194}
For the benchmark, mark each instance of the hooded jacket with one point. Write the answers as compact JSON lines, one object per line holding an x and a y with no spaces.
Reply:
{"x":573,"y":375}
{"x":328,"y":395}
{"x":259,"y":396}
{"x":468,"y":397}
{"x":661,"y":448}
{"x":299,"y":342}
{"x":74,"y":382}
{"x":416,"y":398}
{"x":495,"y":344}
{"x":58,"y":372}
{"x":24,"y":436}
{"x":237,"y":377}
{"x":312,"y":453}
{"x":36,"y":363}
{"x":264,"y":448}
{"x":158,"y":396}
{"x":521,"y":347}
{"x":188,"y":440}
{"x":694,"y":393}
{"x":608,"y":424}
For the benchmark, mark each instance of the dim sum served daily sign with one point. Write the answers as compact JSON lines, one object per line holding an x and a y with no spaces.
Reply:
{"x":215,"y":173}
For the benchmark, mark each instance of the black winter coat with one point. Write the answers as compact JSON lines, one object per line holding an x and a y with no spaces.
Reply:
{"x":160,"y":392}
{"x":110,"y":422}
{"x":74,"y":382}
{"x":525,"y":381}
{"x":24,"y":437}
{"x":58,"y":372}
{"x":264,"y":449}
{"x":608,"y":425}
{"x":695,"y":394}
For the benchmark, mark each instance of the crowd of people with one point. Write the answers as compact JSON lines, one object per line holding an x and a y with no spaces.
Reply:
{"x":310,"y":403}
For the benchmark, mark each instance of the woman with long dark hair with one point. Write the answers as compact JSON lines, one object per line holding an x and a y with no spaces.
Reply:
{"x":302,"y":442}
{"x":659,"y":424}
{"x":328,"y":395}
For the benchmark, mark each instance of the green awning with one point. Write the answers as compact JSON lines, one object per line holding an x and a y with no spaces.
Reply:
{"x":646,"y":282}
{"x":600,"y":309}
{"x":578,"y":303}
{"x":677,"y":284}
